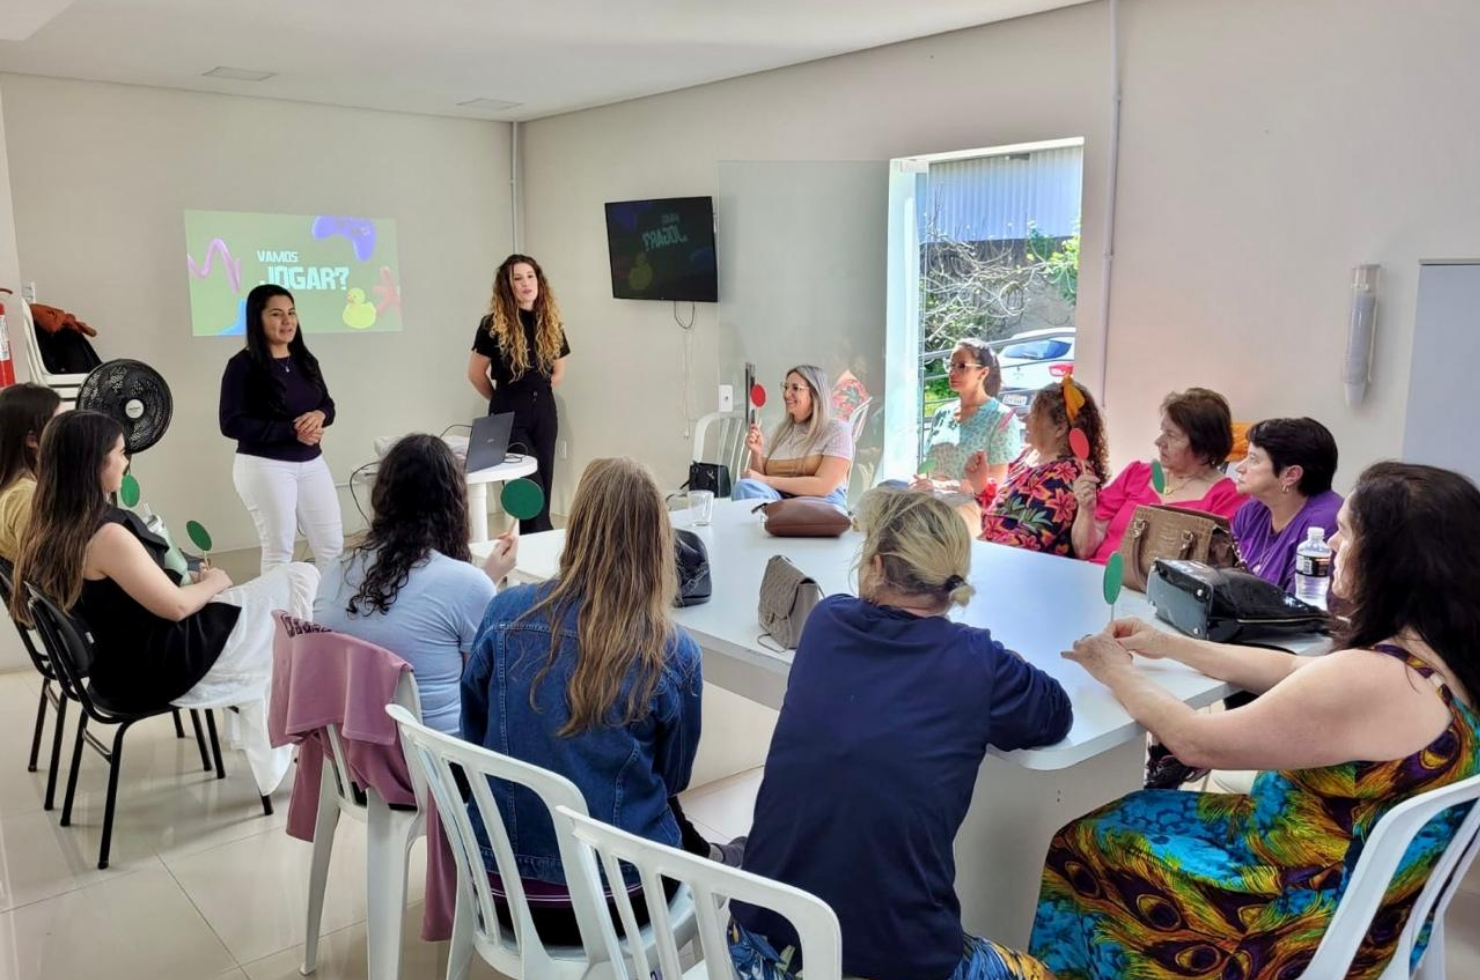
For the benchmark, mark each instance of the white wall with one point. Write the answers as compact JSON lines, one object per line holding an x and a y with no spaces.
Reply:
{"x":1267,"y":148}
{"x":101,"y":174}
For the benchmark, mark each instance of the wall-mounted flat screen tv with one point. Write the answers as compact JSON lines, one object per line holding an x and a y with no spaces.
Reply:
{"x":663,"y":249}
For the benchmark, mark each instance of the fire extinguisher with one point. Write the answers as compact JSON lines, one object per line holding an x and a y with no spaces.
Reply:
{"x":7,"y":365}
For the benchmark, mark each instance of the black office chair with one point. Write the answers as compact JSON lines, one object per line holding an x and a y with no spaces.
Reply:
{"x":54,"y":694}
{"x":71,"y":649}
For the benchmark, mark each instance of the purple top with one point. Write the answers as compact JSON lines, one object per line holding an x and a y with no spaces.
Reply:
{"x":1271,"y":555}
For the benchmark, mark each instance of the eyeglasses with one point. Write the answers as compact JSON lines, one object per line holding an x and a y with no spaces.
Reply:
{"x":793,"y":389}
{"x":964,"y":365}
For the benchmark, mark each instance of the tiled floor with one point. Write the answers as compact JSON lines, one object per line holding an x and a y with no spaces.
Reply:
{"x":202,"y":885}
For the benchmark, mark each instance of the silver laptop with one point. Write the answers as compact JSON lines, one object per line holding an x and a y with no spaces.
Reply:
{"x":489,"y":443}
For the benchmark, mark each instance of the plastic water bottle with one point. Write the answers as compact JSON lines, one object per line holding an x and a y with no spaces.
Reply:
{"x":1313,"y":568}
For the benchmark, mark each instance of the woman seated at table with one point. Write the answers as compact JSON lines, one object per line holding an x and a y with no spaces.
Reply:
{"x":409,"y":587}
{"x":25,"y":409}
{"x":976,"y":422}
{"x":1287,"y":478}
{"x":588,"y":676}
{"x":889,"y":709}
{"x":158,"y":640}
{"x":811,"y":452}
{"x":1170,"y":883}
{"x":1035,"y":507}
{"x":1196,"y":435}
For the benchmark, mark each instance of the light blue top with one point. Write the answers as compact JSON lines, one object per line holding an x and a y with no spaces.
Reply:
{"x":432,"y":624}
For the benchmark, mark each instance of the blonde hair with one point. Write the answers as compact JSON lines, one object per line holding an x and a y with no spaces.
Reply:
{"x":923,"y":546}
{"x":504,"y":325}
{"x":817,"y":424}
{"x":618,"y":563}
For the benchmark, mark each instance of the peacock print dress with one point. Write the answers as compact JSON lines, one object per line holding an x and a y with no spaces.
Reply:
{"x":1171,"y":885}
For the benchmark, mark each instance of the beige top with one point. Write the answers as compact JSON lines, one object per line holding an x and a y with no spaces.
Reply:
{"x":15,"y":514}
{"x":793,"y":457}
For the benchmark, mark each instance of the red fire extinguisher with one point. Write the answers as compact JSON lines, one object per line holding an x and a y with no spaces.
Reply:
{"x":7,"y":366}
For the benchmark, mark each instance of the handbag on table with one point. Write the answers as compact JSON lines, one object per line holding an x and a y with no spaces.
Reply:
{"x":1224,"y":604}
{"x":1177,"y":533}
{"x":788,"y":596}
{"x":805,"y":517}
{"x":694,"y":584}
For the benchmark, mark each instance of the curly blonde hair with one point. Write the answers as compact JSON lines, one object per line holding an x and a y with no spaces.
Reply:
{"x":503,"y":320}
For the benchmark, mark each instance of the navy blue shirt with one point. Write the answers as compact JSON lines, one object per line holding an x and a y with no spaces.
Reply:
{"x":886,"y":719}
{"x":262,"y":425}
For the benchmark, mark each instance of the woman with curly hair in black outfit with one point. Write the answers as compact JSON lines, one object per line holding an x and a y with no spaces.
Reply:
{"x":409,"y":587}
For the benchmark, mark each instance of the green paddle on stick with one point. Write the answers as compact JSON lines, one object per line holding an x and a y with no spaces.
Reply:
{"x":199,"y":537}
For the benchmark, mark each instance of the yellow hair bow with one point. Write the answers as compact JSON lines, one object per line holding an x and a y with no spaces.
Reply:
{"x":1073,"y":398}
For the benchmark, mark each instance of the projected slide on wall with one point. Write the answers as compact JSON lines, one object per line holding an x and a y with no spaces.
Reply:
{"x":344,"y":271}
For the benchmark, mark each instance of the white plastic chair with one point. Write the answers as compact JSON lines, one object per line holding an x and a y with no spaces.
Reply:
{"x":518,"y":952}
{"x":65,"y":385}
{"x":604,"y":849}
{"x":859,"y":419}
{"x":389,"y":835}
{"x":728,"y":440}
{"x":1374,"y":872}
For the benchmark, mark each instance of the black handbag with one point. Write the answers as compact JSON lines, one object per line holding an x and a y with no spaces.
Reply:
{"x":1223,"y":604}
{"x":694,"y":587}
{"x":714,"y":477}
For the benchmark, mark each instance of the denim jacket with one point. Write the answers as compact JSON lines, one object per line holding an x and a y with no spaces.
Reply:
{"x":626,"y":772}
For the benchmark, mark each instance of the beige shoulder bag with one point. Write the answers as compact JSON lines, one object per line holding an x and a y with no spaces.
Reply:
{"x":788,"y":597}
{"x":1161,"y":531}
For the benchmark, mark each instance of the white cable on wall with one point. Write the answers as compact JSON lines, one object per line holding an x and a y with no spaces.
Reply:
{"x":1110,"y":190}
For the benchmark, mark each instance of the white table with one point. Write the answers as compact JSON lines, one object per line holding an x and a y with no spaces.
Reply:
{"x":1035,"y":604}
{"x":478,"y":481}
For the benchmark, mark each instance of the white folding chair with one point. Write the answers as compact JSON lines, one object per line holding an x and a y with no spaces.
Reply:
{"x":389,"y":834}
{"x":65,"y":385}
{"x":859,"y":419}
{"x":518,"y":952}
{"x":1374,"y":872}
{"x":606,"y":849}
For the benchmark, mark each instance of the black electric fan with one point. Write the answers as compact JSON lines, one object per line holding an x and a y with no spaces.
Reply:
{"x":134,"y":395}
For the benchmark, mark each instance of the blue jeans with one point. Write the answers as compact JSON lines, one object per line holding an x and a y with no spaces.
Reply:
{"x":749,"y":489}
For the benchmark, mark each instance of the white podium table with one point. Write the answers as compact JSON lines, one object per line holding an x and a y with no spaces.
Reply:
{"x":478,"y":481}
{"x":1035,"y":604}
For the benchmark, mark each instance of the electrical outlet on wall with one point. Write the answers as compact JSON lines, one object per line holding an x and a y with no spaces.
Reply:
{"x":564,"y":449}
{"x":726,"y":398}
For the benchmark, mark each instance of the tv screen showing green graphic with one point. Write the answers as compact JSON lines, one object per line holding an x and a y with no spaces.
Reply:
{"x":343,"y":270}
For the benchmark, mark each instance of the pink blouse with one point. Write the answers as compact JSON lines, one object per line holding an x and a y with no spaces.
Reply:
{"x":1119,"y":500}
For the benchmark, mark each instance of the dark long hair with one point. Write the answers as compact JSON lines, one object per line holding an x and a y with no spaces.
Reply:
{"x":421,"y":505}
{"x":24,"y":411}
{"x":67,"y":510}
{"x":1089,"y":421}
{"x":1411,"y":563}
{"x":261,"y":354}
{"x":504,"y":323}
{"x":987,"y":358}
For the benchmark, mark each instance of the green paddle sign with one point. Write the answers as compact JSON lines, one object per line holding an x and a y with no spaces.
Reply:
{"x":199,"y":537}
{"x":927,"y":466}
{"x":1114,"y":578}
{"x":1158,"y":477}
{"x":129,"y":492}
{"x":522,"y":499}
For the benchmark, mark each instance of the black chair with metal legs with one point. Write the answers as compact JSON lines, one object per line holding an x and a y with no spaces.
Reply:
{"x":54,"y":693}
{"x":71,"y":652}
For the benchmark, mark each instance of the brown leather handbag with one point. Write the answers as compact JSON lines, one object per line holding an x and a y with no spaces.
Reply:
{"x":805,"y":517}
{"x":1176,"y":533}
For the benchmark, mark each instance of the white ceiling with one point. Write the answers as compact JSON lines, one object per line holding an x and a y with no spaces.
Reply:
{"x":426,"y":56}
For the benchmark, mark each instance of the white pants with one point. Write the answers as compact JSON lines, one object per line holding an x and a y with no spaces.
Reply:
{"x":282,"y":497}
{"x":242,"y":676}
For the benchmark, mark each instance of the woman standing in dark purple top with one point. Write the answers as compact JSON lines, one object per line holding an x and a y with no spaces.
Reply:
{"x":1287,"y":476}
{"x":275,"y":404}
